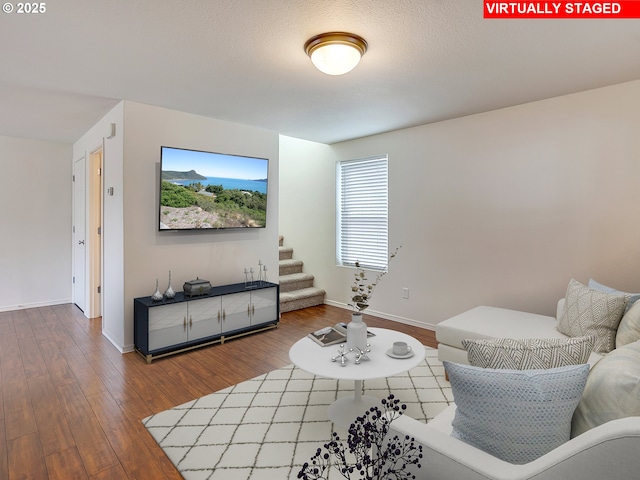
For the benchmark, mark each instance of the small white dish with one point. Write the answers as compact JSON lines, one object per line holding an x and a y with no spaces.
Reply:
{"x":393,"y":355}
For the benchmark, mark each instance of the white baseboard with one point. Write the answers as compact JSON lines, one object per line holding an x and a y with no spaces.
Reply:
{"x":386,"y":316}
{"x":20,"y":306}
{"x":112,"y":341}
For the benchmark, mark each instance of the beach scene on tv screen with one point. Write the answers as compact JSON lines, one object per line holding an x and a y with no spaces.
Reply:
{"x":205,"y":190}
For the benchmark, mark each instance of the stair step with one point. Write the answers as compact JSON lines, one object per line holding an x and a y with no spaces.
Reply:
{"x":295,"y":281}
{"x":303,"y":298}
{"x":286,"y":253}
{"x":287,"y":267}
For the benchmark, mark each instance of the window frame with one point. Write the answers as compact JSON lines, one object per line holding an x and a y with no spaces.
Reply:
{"x":362,"y":212}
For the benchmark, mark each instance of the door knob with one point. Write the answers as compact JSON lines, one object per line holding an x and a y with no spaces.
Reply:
{"x":80,"y":242}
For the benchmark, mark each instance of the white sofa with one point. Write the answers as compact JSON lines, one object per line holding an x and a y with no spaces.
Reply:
{"x":608,"y":451}
{"x":492,"y":322}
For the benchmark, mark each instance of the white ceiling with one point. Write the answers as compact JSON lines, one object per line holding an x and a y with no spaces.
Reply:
{"x":243,"y":61}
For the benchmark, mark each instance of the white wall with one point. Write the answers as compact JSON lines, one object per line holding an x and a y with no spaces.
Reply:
{"x":113,"y":307}
{"x":218,"y":256}
{"x":307,"y":205}
{"x":501,"y":208}
{"x":35,"y":244}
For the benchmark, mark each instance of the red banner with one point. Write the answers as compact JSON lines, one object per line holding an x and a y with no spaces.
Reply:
{"x":562,"y":9}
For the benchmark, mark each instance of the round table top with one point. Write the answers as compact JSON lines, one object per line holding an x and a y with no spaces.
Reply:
{"x":313,"y":358}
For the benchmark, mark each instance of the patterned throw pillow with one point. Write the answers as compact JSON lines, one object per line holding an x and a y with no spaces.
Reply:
{"x":588,"y":312}
{"x":528,"y":354}
{"x":612,"y":390}
{"x":633,"y":297}
{"x":515,"y":415}
{"x":629,"y":328}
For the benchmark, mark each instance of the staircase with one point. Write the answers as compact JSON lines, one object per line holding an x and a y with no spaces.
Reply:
{"x":296,"y":287}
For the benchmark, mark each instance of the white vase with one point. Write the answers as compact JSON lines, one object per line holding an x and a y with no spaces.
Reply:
{"x":356,"y":332}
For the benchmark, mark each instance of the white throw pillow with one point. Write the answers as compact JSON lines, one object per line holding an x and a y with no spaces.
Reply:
{"x":528,"y":354}
{"x":589,"y":312}
{"x":633,"y":297}
{"x":612,"y":390}
{"x":515,"y":415}
{"x":629,"y":328}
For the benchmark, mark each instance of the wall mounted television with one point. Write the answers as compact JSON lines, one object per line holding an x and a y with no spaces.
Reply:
{"x":211,"y":191}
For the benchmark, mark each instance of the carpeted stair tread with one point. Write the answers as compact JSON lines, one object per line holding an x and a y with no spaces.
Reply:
{"x":295,"y":281}
{"x":289,"y":266}
{"x":302,"y":293}
{"x":285,"y":253}
{"x":296,"y":287}
{"x":302,"y":298}
{"x":290,"y":261}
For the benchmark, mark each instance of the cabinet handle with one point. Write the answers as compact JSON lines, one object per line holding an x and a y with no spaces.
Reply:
{"x":218,"y":316}
{"x":224,"y":314}
{"x":190,"y":322}
{"x":248,"y":309}
{"x":184,"y":323}
{"x":253,"y":309}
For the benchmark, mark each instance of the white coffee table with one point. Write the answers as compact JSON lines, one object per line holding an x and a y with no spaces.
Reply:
{"x":311,"y":357}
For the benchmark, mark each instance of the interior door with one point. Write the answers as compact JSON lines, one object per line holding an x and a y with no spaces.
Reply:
{"x":94,"y":240}
{"x":79,"y":249}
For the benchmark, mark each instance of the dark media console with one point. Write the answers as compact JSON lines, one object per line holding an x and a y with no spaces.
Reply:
{"x":183,"y":323}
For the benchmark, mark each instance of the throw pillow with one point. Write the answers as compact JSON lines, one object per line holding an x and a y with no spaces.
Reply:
{"x":633,"y":297}
{"x":629,"y":328}
{"x":515,"y":415}
{"x":528,"y":354}
{"x":588,"y":312}
{"x":612,"y":390}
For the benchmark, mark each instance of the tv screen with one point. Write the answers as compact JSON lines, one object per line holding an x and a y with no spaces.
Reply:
{"x":206,"y":190}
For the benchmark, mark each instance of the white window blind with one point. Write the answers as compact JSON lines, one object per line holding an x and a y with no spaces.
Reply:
{"x":363,"y":212}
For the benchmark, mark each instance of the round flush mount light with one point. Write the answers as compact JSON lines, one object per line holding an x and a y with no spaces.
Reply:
{"x":335,"y":53}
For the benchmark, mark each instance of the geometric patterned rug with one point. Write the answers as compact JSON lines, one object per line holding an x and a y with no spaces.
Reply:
{"x":267,"y":427}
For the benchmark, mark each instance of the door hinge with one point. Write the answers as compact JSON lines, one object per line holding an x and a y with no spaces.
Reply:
{"x":73,"y":229}
{"x":99,"y":230}
{"x":99,"y":289}
{"x":99,"y":171}
{"x":73,"y":178}
{"x":73,"y":280}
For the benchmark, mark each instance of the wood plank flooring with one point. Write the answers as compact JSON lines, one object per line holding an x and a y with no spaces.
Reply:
{"x":71,"y":404}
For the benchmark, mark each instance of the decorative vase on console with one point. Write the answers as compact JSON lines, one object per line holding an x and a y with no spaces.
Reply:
{"x":356,"y":332}
{"x":157,"y":296}
{"x":169,"y":292}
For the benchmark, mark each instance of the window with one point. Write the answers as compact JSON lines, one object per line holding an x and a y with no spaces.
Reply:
{"x":362,"y":190}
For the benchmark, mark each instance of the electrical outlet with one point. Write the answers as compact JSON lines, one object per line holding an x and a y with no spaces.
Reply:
{"x":405,"y":292}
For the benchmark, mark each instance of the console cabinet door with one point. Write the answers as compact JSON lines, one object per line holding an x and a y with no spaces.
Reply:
{"x":264,"y":305}
{"x":205,"y":319}
{"x":236,"y":309}
{"x":167,"y":325}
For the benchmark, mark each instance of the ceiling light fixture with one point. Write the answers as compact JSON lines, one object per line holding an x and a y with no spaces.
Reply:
{"x":335,"y":53}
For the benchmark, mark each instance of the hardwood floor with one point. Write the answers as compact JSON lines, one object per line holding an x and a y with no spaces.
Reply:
{"x":72,"y":404}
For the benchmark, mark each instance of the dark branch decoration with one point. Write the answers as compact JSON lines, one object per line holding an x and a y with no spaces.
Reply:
{"x":368,"y":454}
